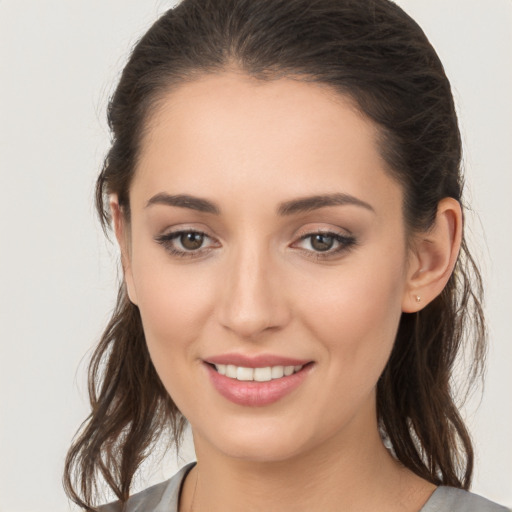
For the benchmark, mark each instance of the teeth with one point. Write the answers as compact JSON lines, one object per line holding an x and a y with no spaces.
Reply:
{"x":231,"y":371}
{"x":256,"y":374}
{"x":244,"y":373}
{"x":288,"y":370}
{"x":277,"y":372}
{"x":263,"y":374}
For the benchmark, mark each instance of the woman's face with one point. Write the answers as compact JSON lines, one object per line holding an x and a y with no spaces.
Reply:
{"x":266,"y":238}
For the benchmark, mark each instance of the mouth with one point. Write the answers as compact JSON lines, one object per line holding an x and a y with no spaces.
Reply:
{"x":259,"y":374}
{"x":249,"y":384}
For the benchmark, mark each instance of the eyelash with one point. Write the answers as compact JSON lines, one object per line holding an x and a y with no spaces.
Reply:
{"x":345,"y":244}
{"x":167,"y":241}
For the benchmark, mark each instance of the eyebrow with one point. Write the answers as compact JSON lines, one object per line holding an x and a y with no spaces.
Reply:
{"x":294,"y":206}
{"x":185,"y":201}
{"x":307,"y":204}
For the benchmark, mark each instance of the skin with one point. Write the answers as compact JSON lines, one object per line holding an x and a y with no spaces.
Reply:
{"x":257,"y":285}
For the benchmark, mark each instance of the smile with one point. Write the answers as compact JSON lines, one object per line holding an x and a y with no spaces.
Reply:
{"x":256,"y":381}
{"x":263,"y":374}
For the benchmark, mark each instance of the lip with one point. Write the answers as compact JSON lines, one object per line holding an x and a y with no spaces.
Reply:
{"x":252,"y":393}
{"x":259,"y":361}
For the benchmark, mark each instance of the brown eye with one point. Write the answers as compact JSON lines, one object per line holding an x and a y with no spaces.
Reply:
{"x":187,"y":243}
{"x":321,"y":242}
{"x":322,"y":245}
{"x":191,"y":241}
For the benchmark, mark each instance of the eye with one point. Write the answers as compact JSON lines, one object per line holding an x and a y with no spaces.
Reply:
{"x":186,"y":243}
{"x":322,"y":242}
{"x":191,"y":241}
{"x":325,"y":244}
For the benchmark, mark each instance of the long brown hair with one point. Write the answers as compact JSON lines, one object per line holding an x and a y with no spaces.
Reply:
{"x":374,"y":53}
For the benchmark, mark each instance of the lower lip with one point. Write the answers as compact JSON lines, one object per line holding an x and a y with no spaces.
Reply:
{"x":256,"y":394}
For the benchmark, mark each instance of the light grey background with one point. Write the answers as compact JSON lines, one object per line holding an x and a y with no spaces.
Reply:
{"x":59,"y":61}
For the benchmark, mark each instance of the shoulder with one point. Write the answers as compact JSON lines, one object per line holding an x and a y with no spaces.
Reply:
{"x":162,"y":497}
{"x":450,"y":499}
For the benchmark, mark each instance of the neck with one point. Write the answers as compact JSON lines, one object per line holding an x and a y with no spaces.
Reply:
{"x":341,"y":474}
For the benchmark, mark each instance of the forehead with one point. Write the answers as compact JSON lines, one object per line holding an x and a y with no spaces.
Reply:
{"x":217,"y":104}
{"x":232,"y":132}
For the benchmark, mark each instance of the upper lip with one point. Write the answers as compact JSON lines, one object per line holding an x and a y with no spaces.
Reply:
{"x":256,"y":361}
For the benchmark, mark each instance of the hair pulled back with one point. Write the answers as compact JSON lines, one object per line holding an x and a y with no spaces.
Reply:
{"x":375,"y":54}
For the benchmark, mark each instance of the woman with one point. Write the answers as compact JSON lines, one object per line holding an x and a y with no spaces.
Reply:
{"x":284,"y":184}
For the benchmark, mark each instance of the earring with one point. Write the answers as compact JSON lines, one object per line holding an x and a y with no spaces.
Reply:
{"x":418,"y":298}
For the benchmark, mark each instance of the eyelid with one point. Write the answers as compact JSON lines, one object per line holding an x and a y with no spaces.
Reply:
{"x":346,"y":241}
{"x":313,"y":228}
{"x":167,"y":238}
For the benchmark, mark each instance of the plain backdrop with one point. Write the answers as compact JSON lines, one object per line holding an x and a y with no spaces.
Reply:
{"x":59,"y":61}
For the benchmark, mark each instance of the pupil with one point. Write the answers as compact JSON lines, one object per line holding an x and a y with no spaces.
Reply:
{"x":322,"y":242}
{"x":192,"y":241}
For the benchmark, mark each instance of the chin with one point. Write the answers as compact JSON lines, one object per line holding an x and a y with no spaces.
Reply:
{"x":262,"y":451}
{"x":258,"y":440}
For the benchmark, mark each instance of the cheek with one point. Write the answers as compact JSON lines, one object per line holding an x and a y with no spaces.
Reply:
{"x":356,"y":315}
{"x":173,"y":311}
{"x":355,"y":319}
{"x":166,"y":308}
{"x":174,"y":304}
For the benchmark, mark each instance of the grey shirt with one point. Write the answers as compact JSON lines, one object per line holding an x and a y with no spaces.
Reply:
{"x":164,"y":497}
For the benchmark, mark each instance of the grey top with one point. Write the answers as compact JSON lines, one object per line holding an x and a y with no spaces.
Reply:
{"x":163,"y":497}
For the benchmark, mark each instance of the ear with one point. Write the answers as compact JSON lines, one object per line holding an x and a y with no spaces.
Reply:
{"x":122,"y":232}
{"x":433,"y":256}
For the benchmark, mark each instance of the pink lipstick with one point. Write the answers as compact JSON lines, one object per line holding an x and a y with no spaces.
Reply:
{"x":258,"y":380}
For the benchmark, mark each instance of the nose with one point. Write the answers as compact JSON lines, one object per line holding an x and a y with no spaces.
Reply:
{"x":253,"y":299}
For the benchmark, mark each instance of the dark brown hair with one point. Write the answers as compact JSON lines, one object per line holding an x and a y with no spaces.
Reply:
{"x":375,"y":54}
